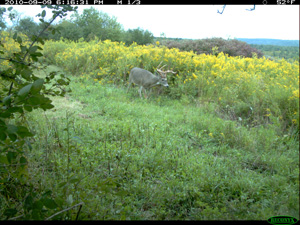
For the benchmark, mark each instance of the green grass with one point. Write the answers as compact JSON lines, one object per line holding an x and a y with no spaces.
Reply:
{"x":159,"y":159}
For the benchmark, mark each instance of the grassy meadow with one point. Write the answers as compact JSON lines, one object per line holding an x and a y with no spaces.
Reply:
{"x":220,"y":144}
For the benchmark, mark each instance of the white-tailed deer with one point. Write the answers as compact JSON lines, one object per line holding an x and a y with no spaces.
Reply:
{"x":147,"y":80}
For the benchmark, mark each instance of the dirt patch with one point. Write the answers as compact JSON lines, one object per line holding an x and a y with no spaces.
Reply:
{"x":63,"y":105}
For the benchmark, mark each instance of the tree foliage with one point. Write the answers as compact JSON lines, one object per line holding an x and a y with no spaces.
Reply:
{"x":22,"y":91}
{"x":68,"y":30}
{"x":93,"y":23}
{"x":90,"y":24}
{"x":139,"y":36}
{"x":3,"y":14}
{"x":27,"y":26}
{"x":275,"y":51}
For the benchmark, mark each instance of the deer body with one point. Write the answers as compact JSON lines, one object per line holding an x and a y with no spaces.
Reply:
{"x":145,"y":79}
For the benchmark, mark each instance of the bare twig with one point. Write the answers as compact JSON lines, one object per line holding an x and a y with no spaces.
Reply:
{"x":12,"y":60}
{"x":251,"y":9}
{"x":46,"y":27}
{"x":78,"y":212}
{"x":221,"y":12}
{"x":222,"y":9}
{"x":13,"y":165}
{"x":17,"y":217}
{"x":81,"y":203}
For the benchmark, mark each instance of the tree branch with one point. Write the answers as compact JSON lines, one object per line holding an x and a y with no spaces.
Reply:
{"x":251,"y":9}
{"x":81,"y":203}
{"x":222,"y":9}
{"x":46,"y":27}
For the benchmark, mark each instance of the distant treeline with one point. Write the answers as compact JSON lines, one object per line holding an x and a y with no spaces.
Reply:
{"x":265,"y":41}
{"x":89,"y":25}
{"x":275,"y":51}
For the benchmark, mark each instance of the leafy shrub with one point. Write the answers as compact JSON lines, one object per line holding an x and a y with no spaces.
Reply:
{"x":230,"y":47}
{"x":22,"y":91}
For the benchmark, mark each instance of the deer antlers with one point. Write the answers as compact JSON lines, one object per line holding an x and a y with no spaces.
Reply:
{"x":164,"y":73}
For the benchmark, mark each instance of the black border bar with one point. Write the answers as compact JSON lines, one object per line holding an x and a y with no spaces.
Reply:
{"x":148,"y":2}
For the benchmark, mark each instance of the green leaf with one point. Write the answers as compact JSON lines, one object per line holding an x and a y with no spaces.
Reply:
{"x":122,"y":193}
{"x":34,"y":58}
{"x":28,"y":144}
{"x":5,"y":114}
{"x":15,"y":36}
{"x":19,"y":40}
{"x":11,"y":156}
{"x":7,"y":100}
{"x":37,"y":85}
{"x":74,"y":180}
{"x":36,"y":54}
{"x":49,"y":203}
{"x":70,"y":199}
{"x":62,"y":184}
{"x":12,"y":137}
{"x":2,"y":123}
{"x":28,"y":108}
{"x":23,"y":48}
{"x":47,"y":106}
{"x":61,"y":81}
{"x":28,"y":202}
{"x":10,"y":212}
{"x":46,"y":194}
{"x":24,"y":90}
{"x":10,"y":8}
{"x":38,"y":205}
{"x":26,"y":73}
{"x":34,"y":100}
{"x":2,"y":135}
{"x":3,"y":159}
{"x":41,"y":41}
{"x":44,"y":13}
{"x":24,"y":132}
{"x":33,"y":49}
{"x":36,"y":214}
{"x":33,"y":37}
{"x":23,"y":160}
{"x":15,"y":109}
{"x":11,"y":129}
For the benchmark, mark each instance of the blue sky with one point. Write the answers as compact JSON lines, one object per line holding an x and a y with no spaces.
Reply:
{"x":202,"y":21}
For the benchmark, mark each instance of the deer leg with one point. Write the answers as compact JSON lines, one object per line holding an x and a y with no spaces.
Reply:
{"x":150,"y":92}
{"x":140,"y":91}
{"x":160,"y":90}
{"x":128,"y":87}
{"x":145,"y":93}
